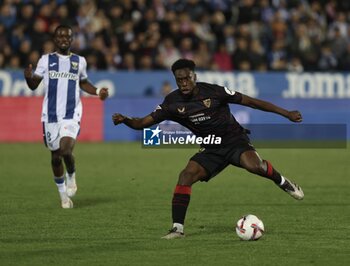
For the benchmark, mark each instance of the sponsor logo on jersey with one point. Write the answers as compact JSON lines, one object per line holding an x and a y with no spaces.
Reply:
{"x":199,"y":118}
{"x":181,"y":110}
{"x":56,"y":75}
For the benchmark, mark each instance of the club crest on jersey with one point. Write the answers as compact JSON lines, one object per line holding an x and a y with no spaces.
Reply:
{"x":74,"y":65}
{"x":181,"y":110}
{"x":207,"y":102}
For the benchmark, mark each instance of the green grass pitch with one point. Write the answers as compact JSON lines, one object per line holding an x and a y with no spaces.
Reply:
{"x":123,"y":207}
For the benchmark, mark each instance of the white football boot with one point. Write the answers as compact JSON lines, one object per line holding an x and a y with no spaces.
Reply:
{"x":292,"y":189}
{"x":71,"y":185}
{"x":66,"y":203}
{"x":174,"y":233}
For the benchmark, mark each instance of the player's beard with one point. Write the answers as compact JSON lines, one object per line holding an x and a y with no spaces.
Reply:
{"x":189,"y":92}
{"x":63,"y":49}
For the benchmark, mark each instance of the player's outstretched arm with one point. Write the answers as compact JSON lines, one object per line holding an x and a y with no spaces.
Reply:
{"x":32,"y":80}
{"x":133,"y":122}
{"x":294,"y":116}
{"x":86,"y":86}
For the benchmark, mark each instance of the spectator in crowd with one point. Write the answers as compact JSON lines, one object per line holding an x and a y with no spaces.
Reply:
{"x":128,"y":62}
{"x":241,"y":55}
{"x":278,"y":56}
{"x":15,"y":63}
{"x":256,"y":54}
{"x":327,"y":60}
{"x":295,"y":65}
{"x":222,"y":59}
{"x":2,"y":60}
{"x":338,"y":44}
{"x":7,"y":14}
{"x":344,"y":63}
{"x":168,"y":51}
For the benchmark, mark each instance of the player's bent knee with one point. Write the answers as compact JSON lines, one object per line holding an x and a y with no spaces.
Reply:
{"x":187,"y":178}
{"x":192,"y":173}
{"x":66,"y":153}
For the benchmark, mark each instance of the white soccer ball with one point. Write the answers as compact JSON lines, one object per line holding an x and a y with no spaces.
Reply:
{"x":249,"y":227}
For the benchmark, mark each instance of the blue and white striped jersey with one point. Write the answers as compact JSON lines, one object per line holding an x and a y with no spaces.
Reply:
{"x":61,"y":75}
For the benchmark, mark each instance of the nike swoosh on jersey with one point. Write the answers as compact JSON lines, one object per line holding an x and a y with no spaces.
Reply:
{"x":51,"y":65}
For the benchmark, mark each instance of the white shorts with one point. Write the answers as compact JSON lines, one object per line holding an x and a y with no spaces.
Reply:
{"x":53,"y":132}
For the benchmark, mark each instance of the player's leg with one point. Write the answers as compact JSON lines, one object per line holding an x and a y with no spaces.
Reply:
{"x":56,"y":164}
{"x":203,"y":166}
{"x":251,"y":161}
{"x":69,"y":130}
{"x":192,"y":173}
{"x":58,"y":171}
{"x":66,"y":151}
{"x":52,"y":141}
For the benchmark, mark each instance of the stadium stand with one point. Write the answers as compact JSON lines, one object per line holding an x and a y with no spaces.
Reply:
{"x":276,"y":35}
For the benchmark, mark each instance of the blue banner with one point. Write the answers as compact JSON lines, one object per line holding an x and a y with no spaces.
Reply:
{"x":322,"y":98}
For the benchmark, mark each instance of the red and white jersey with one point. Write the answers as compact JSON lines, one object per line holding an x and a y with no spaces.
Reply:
{"x":61,"y":75}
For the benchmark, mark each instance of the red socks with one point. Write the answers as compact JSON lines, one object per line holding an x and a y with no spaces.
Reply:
{"x":181,"y":199}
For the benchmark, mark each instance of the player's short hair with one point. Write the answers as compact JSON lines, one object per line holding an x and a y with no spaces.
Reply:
{"x":183,"y":63}
{"x":62,"y":26}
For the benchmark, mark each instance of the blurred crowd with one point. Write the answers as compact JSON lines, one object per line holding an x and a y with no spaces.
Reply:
{"x":224,"y":35}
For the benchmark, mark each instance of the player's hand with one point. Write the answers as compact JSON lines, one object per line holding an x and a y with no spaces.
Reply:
{"x":118,"y":119}
{"x":103,"y":93}
{"x":28,"y":72}
{"x":295,"y":116}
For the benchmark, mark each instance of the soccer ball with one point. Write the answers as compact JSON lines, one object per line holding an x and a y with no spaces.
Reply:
{"x":249,"y":227}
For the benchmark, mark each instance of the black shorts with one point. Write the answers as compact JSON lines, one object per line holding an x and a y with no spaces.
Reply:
{"x":214,"y":160}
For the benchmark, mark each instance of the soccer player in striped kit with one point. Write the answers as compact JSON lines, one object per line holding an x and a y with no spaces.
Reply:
{"x":64,"y":73}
